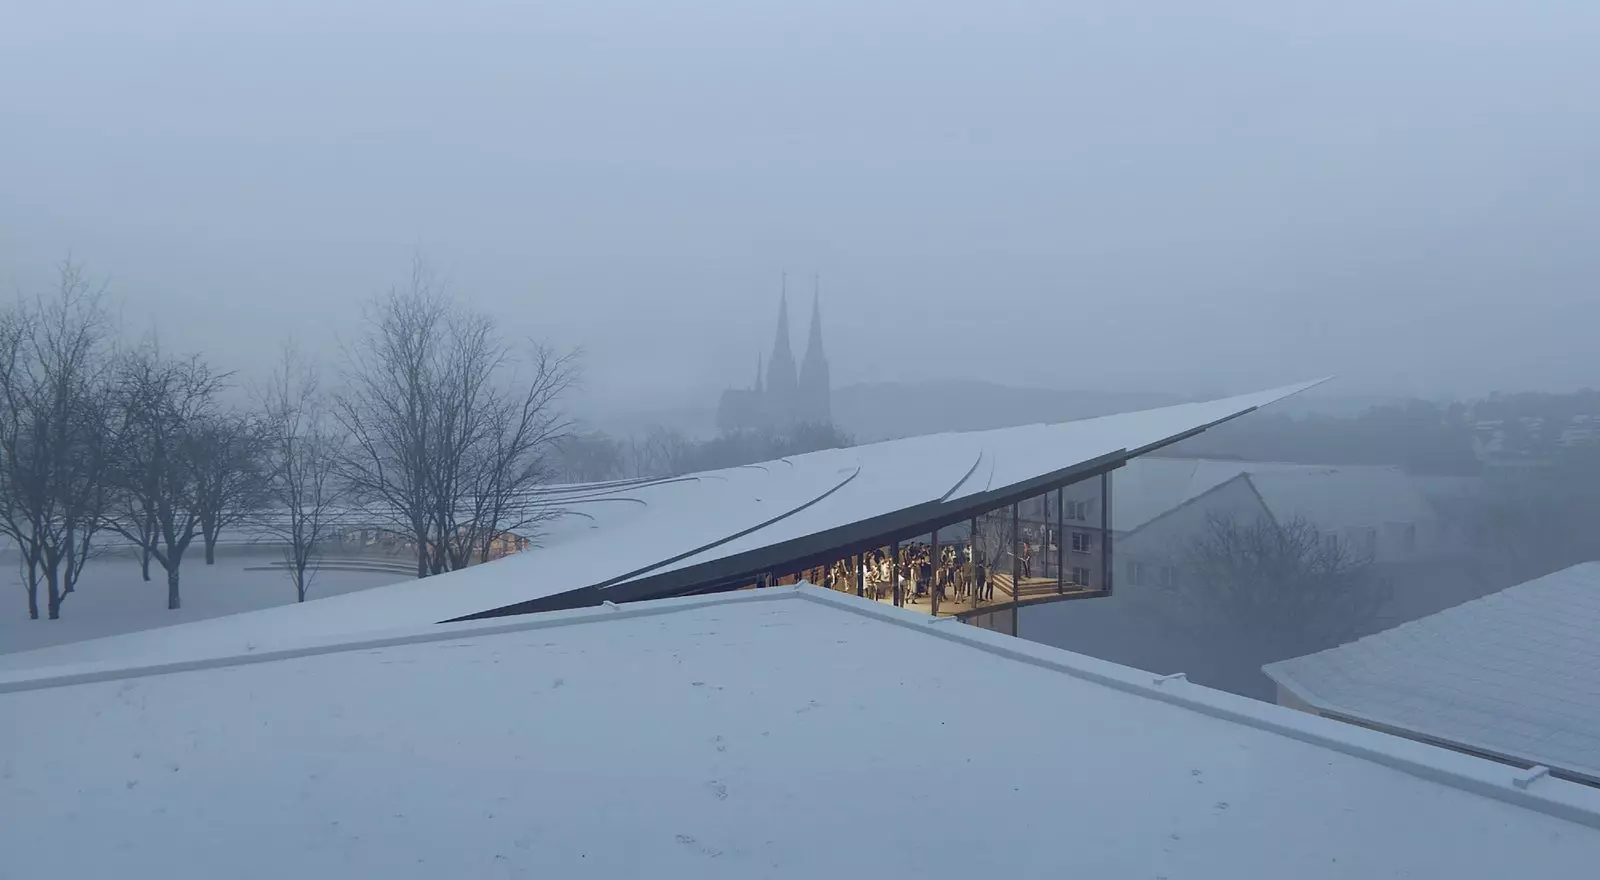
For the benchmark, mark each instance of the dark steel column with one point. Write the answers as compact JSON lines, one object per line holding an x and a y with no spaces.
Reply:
{"x":1061,"y":540}
{"x":894,"y":573}
{"x":933,"y":575}
{"x":1105,"y":532}
{"x":1043,"y":550}
{"x":861,"y":574}
{"x":1016,"y":555}
{"x":972,"y":554}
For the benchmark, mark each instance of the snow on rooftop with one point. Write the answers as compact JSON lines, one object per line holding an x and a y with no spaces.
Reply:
{"x":626,"y":530}
{"x":774,"y":733}
{"x":1514,"y":674}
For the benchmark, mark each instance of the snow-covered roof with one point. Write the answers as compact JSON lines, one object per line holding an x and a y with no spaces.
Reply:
{"x":789,"y":732}
{"x":1337,"y":498}
{"x":1332,"y":497}
{"x":618,"y":536}
{"x":1149,"y":487}
{"x":1515,"y":674}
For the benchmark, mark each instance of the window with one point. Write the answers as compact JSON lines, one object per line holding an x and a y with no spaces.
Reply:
{"x":1080,"y":577}
{"x":1078,"y":510}
{"x":1082,"y":542}
{"x":1169,"y":575}
{"x":1135,"y":573}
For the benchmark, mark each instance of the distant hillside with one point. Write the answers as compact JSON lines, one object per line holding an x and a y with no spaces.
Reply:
{"x":697,"y":423}
{"x":885,"y":410}
{"x":871,"y":411}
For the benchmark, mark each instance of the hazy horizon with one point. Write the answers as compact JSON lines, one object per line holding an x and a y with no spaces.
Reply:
{"x":1124,"y":198}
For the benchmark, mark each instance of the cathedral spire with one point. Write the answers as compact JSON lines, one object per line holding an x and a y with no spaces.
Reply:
{"x":781,"y":379}
{"x":814,"y":339}
{"x":815,"y":387}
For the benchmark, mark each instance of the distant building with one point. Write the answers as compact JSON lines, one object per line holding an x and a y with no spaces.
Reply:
{"x":783,"y":395}
{"x":1162,"y":504}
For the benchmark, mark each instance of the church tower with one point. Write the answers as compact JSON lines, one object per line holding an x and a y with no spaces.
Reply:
{"x":782,"y":383}
{"x":815,"y":387}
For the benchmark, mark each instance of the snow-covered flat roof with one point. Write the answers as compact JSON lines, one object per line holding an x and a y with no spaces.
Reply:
{"x":618,"y":534}
{"x":1515,"y":674}
{"x":788,"y":732}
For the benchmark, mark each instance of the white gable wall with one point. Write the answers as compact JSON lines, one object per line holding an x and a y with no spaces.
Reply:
{"x":1141,"y":555}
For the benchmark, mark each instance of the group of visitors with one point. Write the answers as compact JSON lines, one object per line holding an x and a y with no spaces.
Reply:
{"x":955,"y":576}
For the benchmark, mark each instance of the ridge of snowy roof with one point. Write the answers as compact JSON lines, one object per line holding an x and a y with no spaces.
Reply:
{"x":1148,"y":488}
{"x":668,"y":527}
{"x":732,"y":735}
{"x":1575,"y":803}
{"x":1514,"y":675}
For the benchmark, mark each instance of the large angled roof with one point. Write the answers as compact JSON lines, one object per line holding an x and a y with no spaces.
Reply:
{"x":646,"y":538}
{"x":1515,"y":674}
{"x":789,"y":732}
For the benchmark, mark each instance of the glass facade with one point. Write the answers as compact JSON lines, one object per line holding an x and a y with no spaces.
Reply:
{"x":1052,"y":545}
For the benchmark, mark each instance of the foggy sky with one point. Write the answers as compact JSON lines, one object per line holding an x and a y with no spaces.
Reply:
{"x":1157,"y":195}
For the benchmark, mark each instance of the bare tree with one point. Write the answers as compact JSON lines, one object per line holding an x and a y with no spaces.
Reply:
{"x":512,"y":452}
{"x":438,"y":444}
{"x":302,"y":453}
{"x":53,"y":370}
{"x":1285,"y":586}
{"x":230,"y":478}
{"x":590,"y":457}
{"x":661,"y":452}
{"x":162,"y":405}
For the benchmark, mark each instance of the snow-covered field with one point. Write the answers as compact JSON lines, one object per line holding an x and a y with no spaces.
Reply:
{"x":112,"y":599}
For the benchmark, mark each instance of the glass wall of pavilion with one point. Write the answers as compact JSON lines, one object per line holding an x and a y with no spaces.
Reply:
{"x":1049,"y":546}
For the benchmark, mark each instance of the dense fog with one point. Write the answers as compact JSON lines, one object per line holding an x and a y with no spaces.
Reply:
{"x":239,"y":240}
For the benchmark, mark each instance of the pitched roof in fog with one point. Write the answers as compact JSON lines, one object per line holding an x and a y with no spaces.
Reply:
{"x":1331,"y":497}
{"x":1515,"y":674}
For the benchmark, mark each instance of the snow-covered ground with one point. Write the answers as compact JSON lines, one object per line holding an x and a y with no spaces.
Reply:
{"x":112,"y":599}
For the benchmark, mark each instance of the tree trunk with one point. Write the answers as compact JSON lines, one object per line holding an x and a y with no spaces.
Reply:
{"x":173,"y":601}
{"x":148,"y":536}
{"x":211,"y":549}
{"x":32,"y":574}
{"x":53,"y":597}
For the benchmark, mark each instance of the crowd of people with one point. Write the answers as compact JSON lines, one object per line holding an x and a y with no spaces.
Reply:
{"x":956,"y":575}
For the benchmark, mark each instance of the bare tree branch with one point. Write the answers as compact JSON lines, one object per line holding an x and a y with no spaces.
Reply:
{"x":53,"y":440}
{"x":302,"y":454}
{"x":230,"y":478}
{"x":440,"y":443}
{"x":1285,"y":582}
{"x":162,"y":405}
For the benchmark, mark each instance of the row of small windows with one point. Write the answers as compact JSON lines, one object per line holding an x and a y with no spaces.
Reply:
{"x":1141,"y":574}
